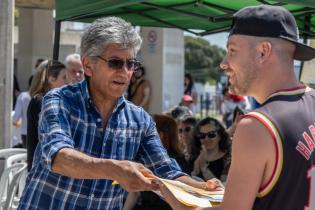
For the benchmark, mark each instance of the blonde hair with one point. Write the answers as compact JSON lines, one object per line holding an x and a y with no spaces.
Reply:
{"x":37,"y":85}
{"x":40,"y":84}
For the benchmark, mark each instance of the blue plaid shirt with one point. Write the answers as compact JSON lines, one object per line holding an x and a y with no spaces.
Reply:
{"x":69,"y":119}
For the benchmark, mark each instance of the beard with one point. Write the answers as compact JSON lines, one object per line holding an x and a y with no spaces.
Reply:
{"x":244,"y":81}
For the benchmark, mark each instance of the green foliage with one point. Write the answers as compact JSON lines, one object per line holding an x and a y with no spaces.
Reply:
{"x":202,"y":59}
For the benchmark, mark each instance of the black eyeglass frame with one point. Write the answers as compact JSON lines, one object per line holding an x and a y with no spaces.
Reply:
{"x":210,"y":135}
{"x":185,"y":130}
{"x":120,"y":63}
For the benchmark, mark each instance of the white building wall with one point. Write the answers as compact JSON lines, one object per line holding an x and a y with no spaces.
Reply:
{"x":35,"y":41}
{"x":173,"y":80}
{"x":162,"y":54}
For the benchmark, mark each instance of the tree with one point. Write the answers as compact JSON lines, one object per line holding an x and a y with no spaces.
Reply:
{"x":202,"y":59}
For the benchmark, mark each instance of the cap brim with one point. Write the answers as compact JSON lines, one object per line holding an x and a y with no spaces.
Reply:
{"x":302,"y":51}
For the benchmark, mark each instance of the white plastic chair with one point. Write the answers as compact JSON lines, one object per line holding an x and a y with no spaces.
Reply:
{"x":14,"y":159}
{"x":11,"y":157}
{"x":9,"y":187}
{"x":5,"y":153}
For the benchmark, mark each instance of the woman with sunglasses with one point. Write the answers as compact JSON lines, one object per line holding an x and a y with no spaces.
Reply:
{"x":187,"y":144}
{"x":50,"y":74}
{"x":215,"y":155}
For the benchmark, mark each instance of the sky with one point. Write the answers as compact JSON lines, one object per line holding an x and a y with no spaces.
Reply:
{"x":219,"y":39}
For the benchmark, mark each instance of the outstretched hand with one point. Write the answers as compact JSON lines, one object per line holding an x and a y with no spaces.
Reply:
{"x":214,"y":184}
{"x":133,"y":177}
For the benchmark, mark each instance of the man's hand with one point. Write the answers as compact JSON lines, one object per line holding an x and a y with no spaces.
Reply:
{"x":133,"y":177}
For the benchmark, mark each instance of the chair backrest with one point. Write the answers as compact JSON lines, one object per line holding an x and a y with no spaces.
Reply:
{"x":17,"y":158}
{"x":13,"y":185}
{"x":5,"y":153}
{"x":12,"y":160}
{"x":5,"y":178}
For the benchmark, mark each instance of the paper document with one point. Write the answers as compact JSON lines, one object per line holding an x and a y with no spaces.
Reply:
{"x":192,"y":196}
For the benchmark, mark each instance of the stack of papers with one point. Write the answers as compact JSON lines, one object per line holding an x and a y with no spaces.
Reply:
{"x":192,"y":196}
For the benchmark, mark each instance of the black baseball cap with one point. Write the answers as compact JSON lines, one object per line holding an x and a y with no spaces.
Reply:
{"x":270,"y":21}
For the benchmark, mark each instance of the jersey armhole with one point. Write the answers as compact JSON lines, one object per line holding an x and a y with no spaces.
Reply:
{"x":266,"y":188}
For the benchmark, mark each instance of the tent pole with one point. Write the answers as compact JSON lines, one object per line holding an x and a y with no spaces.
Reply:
{"x":57,"y":40}
{"x":307,"y":19}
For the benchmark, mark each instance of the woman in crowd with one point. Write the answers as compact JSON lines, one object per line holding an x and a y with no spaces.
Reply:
{"x":187,"y":142}
{"x":50,"y":74}
{"x":214,"y":158}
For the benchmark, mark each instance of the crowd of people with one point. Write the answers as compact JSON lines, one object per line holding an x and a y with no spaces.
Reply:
{"x":81,"y":133}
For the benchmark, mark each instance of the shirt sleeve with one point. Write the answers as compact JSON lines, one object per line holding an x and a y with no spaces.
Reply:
{"x":154,"y":156}
{"x":54,"y":128}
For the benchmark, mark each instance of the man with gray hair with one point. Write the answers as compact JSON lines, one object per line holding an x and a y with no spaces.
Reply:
{"x":75,"y":71}
{"x":89,"y":135}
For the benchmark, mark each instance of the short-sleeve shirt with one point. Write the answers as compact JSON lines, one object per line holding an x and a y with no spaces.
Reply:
{"x":69,"y":119}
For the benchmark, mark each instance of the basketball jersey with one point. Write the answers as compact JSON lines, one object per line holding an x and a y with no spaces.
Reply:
{"x":289,"y":116}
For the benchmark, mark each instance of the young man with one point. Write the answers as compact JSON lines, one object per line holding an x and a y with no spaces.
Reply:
{"x":273,"y":157}
{"x":89,"y":135}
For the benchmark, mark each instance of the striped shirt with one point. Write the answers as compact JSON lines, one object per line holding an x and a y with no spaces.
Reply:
{"x":70,"y":120}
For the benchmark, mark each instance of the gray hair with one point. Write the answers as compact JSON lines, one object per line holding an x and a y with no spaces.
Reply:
{"x":70,"y":57}
{"x":109,"y":30}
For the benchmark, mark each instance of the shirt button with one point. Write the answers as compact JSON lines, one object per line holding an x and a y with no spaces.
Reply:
{"x":92,"y":196}
{"x":99,"y":120}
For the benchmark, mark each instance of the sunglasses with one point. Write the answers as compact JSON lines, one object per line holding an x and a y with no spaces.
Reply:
{"x":211,"y":135}
{"x":186,"y":130}
{"x":117,"y":64}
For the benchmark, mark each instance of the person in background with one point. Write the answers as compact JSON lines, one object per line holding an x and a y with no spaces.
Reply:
{"x":20,"y":113}
{"x":186,"y":126}
{"x":168,"y":131}
{"x":50,"y":74}
{"x":237,"y":116}
{"x":139,"y":90}
{"x":37,"y":63}
{"x":229,"y":103}
{"x":190,"y":89}
{"x":273,"y":152}
{"x":90,"y":135}
{"x":187,"y":101}
{"x":75,"y":71}
{"x":215,"y":156}
{"x":179,"y":112}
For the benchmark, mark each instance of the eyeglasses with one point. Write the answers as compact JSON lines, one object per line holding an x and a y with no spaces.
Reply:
{"x":117,"y":64}
{"x":186,"y":130}
{"x":211,"y":135}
